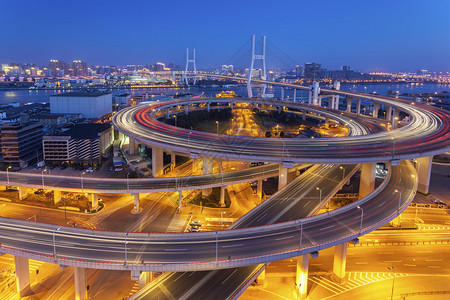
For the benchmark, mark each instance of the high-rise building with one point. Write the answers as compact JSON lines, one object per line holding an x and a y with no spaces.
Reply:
{"x":312,"y":71}
{"x":21,"y":143}
{"x":298,"y":71}
{"x":79,"y":68}
{"x":58,"y":68}
{"x":346,"y":68}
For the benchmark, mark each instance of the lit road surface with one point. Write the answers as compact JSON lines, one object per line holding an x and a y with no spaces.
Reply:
{"x":208,"y":250}
{"x":299,"y":199}
{"x":140,"y":185}
{"x":427,"y":134}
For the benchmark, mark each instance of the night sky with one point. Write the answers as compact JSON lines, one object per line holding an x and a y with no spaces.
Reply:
{"x":383,"y":35}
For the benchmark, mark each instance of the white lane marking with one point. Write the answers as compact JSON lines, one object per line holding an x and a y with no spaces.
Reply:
{"x":327,"y":227}
{"x":231,"y":246}
{"x":436,"y":267}
{"x":433,"y":259}
{"x":361,"y":263}
{"x":392,"y":261}
{"x":381,"y":204}
{"x":385,"y":252}
{"x":229,"y":276}
{"x":408,"y":265}
{"x":175,"y":249}
{"x":283,"y":238}
{"x":306,"y":203}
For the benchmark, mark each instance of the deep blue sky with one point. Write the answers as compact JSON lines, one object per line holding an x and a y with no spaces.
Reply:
{"x":397,"y":35}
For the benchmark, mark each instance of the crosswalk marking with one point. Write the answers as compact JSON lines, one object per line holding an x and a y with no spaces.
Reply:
{"x":134,"y":289}
{"x":355,"y":280}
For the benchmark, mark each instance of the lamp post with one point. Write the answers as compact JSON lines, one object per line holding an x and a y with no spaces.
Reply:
{"x":82,"y":186}
{"x":343,"y":172}
{"x":128,"y":181}
{"x":189,"y":145}
{"x":126,"y":235}
{"x":393,"y":149}
{"x":399,"y":199}
{"x":43,"y":177}
{"x":320,"y":195}
{"x":217,"y":125}
{"x":217,"y":246}
{"x":7,"y":174}
{"x":175,"y":117}
{"x":54,"y":243}
{"x":221,"y":219}
{"x":362,"y":216}
{"x":301,"y":235}
{"x":391,"y":268}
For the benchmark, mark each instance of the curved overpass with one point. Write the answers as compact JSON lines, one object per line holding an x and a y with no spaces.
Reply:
{"x":210,"y":250}
{"x":427,"y":134}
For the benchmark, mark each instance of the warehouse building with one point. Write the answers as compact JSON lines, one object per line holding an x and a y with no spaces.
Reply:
{"x":90,"y":104}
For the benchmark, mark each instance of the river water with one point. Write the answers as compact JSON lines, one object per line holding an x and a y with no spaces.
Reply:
{"x":26,"y":96}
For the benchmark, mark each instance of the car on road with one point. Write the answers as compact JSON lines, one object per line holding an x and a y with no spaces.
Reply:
{"x":196,"y":223}
{"x":194,"y":229}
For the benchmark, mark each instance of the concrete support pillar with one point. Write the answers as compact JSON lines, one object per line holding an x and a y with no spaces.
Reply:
{"x":319,"y":101}
{"x":376,"y":107}
{"x":131,"y":146}
{"x":301,"y":280}
{"x":295,"y":95}
{"x":167,"y":113}
{"x":157,"y":161}
{"x":339,"y":262}
{"x":137,"y":203}
{"x":22,"y":192}
{"x":261,"y":277}
{"x":389,"y":113}
{"x":222,"y":196}
{"x":94,"y":200}
{"x":395,"y":118}
{"x":367,"y":179}
{"x":282,"y":176}
{"x":57,"y":196}
{"x":331,"y":102}
{"x":259,"y":188}
{"x":172,"y":159}
{"x":358,"y":106}
{"x":304,"y":115}
{"x":22,"y":275}
{"x":423,"y":166}
{"x":80,"y":283}
{"x":314,"y":94}
{"x":186,"y":109}
{"x":208,"y":105}
{"x":231,"y":106}
{"x":207,"y":169}
{"x":282,"y":93}
{"x":145,"y":278}
{"x":279,"y":109}
{"x":349,"y":105}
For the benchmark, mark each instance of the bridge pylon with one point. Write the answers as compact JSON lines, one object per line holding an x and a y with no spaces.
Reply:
{"x":262,"y":58}
{"x":188,"y":61}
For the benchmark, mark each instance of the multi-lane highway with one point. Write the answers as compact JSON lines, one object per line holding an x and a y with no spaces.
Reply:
{"x":299,"y":199}
{"x":427,"y":134}
{"x":210,"y":250}
{"x":137,"y":185}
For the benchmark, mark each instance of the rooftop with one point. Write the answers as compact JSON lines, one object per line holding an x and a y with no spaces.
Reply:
{"x":86,"y":131}
{"x":81,"y":94}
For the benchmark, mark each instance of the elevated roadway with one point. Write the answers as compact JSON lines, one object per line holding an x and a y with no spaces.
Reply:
{"x":427,"y":134}
{"x":210,"y":250}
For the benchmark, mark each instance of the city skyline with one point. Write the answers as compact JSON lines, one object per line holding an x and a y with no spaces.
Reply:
{"x":366,"y":37}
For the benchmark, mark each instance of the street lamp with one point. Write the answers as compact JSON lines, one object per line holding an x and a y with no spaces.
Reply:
{"x":54,"y":243}
{"x":126,"y":235}
{"x":391,"y":268}
{"x":43,"y":177}
{"x":393,"y":149}
{"x":175,"y":117}
{"x":221,"y":219}
{"x":343,"y":172}
{"x":217,"y":125}
{"x":82,"y":186}
{"x":189,"y":135}
{"x":362,"y":216}
{"x":320,"y":195}
{"x":399,"y":199}
{"x":7,"y":173}
{"x":301,"y":235}
{"x":128,"y":181}
{"x":217,"y":246}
